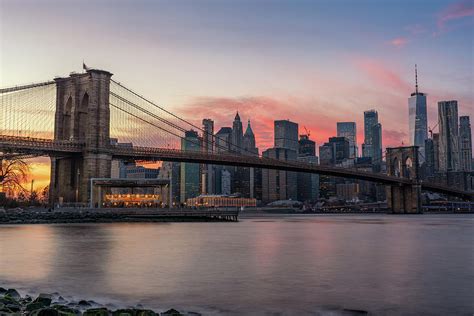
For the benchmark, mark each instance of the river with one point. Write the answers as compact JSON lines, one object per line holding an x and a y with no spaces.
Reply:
{"x":287,"y":265}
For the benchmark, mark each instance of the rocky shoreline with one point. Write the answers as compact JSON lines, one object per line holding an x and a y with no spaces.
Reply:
{"x":12,"y":303}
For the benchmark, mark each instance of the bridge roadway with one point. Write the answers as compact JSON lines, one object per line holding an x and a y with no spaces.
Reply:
{"x":40,"y":146}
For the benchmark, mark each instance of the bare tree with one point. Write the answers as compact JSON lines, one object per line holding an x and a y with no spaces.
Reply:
{"x":13,"y":173}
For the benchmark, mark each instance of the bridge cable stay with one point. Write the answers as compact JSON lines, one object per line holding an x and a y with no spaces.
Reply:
{"x":28,"y":110}
{"x":212,"y":139}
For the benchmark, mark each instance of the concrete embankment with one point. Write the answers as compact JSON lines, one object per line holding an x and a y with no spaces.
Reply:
{"x":85,"y":215}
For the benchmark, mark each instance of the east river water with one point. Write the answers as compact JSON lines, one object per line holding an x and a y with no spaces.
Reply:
{"x":284,"y":265}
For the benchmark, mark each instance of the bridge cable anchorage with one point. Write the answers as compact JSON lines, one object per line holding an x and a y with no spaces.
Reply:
{"x":212,"y":138}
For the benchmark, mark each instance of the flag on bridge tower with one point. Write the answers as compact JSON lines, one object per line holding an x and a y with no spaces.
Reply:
{"x":84,"y":66}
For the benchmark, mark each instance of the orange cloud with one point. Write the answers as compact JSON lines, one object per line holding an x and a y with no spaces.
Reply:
{"x":382,"y":75}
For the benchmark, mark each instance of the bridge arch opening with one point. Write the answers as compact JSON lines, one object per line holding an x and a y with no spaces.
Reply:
{"x":408,"y":168}
{"x":80,"y":118}
{"x":396,"y":167}
{"x":67,"y":122}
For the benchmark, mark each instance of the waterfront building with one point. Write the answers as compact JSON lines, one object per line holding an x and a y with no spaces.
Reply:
{"x":371,"y":118}
{"x":349,"y":131}
{"x":465,"y":143}
{"x":418,"y":119}
{"x":286,"y":135}
{"x":448,"y":136}
{"x":190,"y":172}
{"x":221,"y":201}
{"x":278,"y":184}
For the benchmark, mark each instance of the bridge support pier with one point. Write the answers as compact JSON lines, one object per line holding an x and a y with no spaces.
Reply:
{"x":404,"y":199}
{"x":82,"y":115}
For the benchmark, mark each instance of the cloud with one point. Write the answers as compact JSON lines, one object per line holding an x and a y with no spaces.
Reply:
{"x":382,"y":75}
{"x":399,"y":42}
{"x":453,"y":12}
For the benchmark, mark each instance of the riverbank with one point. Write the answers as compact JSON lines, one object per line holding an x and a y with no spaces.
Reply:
{"x":12,"y":303}
{"x":85,"y":215}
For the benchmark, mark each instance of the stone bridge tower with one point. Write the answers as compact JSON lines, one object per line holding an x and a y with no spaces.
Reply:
{"x":403,"y":162}
{"x":82,"y":115}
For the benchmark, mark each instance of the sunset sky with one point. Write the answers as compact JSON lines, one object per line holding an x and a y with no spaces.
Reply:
{"x":313,"y":62}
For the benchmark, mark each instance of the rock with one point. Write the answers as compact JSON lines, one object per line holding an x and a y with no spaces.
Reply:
{"x":66,"y":311}
{"x":13,"y":307}
{"x":44,"y":299}
{"x":3,"y":290}
{"x":146,"y":312}
{"x":96,"y":312}
{"x":45,"y":312}
{"x":84,"y":303}
{"x":13,"y":294}
{"x":172,"y":312}
{"x":125,"y":312}
{"x":34,"y":306}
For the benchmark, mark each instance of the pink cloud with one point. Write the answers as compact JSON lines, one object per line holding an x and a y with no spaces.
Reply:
{"x":399,"y":42}
{"x":382,"y":75}
{"x":455,"y":11}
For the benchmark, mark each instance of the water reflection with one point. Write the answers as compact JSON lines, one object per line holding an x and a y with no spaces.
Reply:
{"x":297,"y":265}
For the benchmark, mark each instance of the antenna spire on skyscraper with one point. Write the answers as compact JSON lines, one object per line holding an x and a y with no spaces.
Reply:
{"x":416,"y":80}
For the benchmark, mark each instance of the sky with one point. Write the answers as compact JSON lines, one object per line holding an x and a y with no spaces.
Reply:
{"x":313,"y":62}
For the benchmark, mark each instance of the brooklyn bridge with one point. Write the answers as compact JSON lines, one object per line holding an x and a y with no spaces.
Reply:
{"x":74,"y":119}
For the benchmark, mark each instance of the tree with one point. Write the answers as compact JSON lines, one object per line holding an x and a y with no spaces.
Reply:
{"x":13,"y":173}
{"x":45,"y":194}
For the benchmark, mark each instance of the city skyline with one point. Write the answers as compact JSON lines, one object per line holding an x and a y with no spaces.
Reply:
{"x":302,"y":75}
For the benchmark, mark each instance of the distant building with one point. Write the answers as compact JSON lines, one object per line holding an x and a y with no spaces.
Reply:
{"x":221,"y":201}
{"x":237,"y":134}
{"x":465,"y":143}
{"x":208,"y":144}
{"x":436,"y":152}
{"x":347,"y":191}
{"x":418,"y":119}
{"x":278,"y":184}
{"x":327,"y":154}
{"x":249,"y":180}
{"x":306,"y":147}
{"x":429,"y":164}
{"x":341,"y":147}
{"x":190,"y":172}
{"x":448,"y":136}
{"x":308,"y":183}
{"x":349,"y":131}
{"x":286,"y":135}
{"x":377,"y":147}
{"x":371,"y":118}
{"x":223,"y":145}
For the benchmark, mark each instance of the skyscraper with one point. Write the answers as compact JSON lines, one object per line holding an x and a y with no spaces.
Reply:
{"x":465,"y":143}
{"x":248,"y":175}
{"x":371,"y":118}
{"x":277,"y":184}
{"x":286,"y":134}
{"x":237,"y":134}
{"x":222,"y":175}
{"x":448,"y":136}
{"x":341,"y":148}
{"x":190,"y":179}
{"x":418,"y":119}
{"x":377,"y":147}
{"x":308,"y":183}
{"x":249,"y":141}
{"x":349,"y":131}
{"x":208,"y":143}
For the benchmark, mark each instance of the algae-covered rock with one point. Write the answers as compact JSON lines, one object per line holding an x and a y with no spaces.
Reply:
{"x":34,"y":306}
{"x":172,"y":312}
{"x":44,"y":299}
{"x":13,"y":294}
{"x":45,"y":312}
{"x":65,"y":310}
{"x":145,"y":312}
{"x":96,"y":312}
{"x":125,"y":312}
